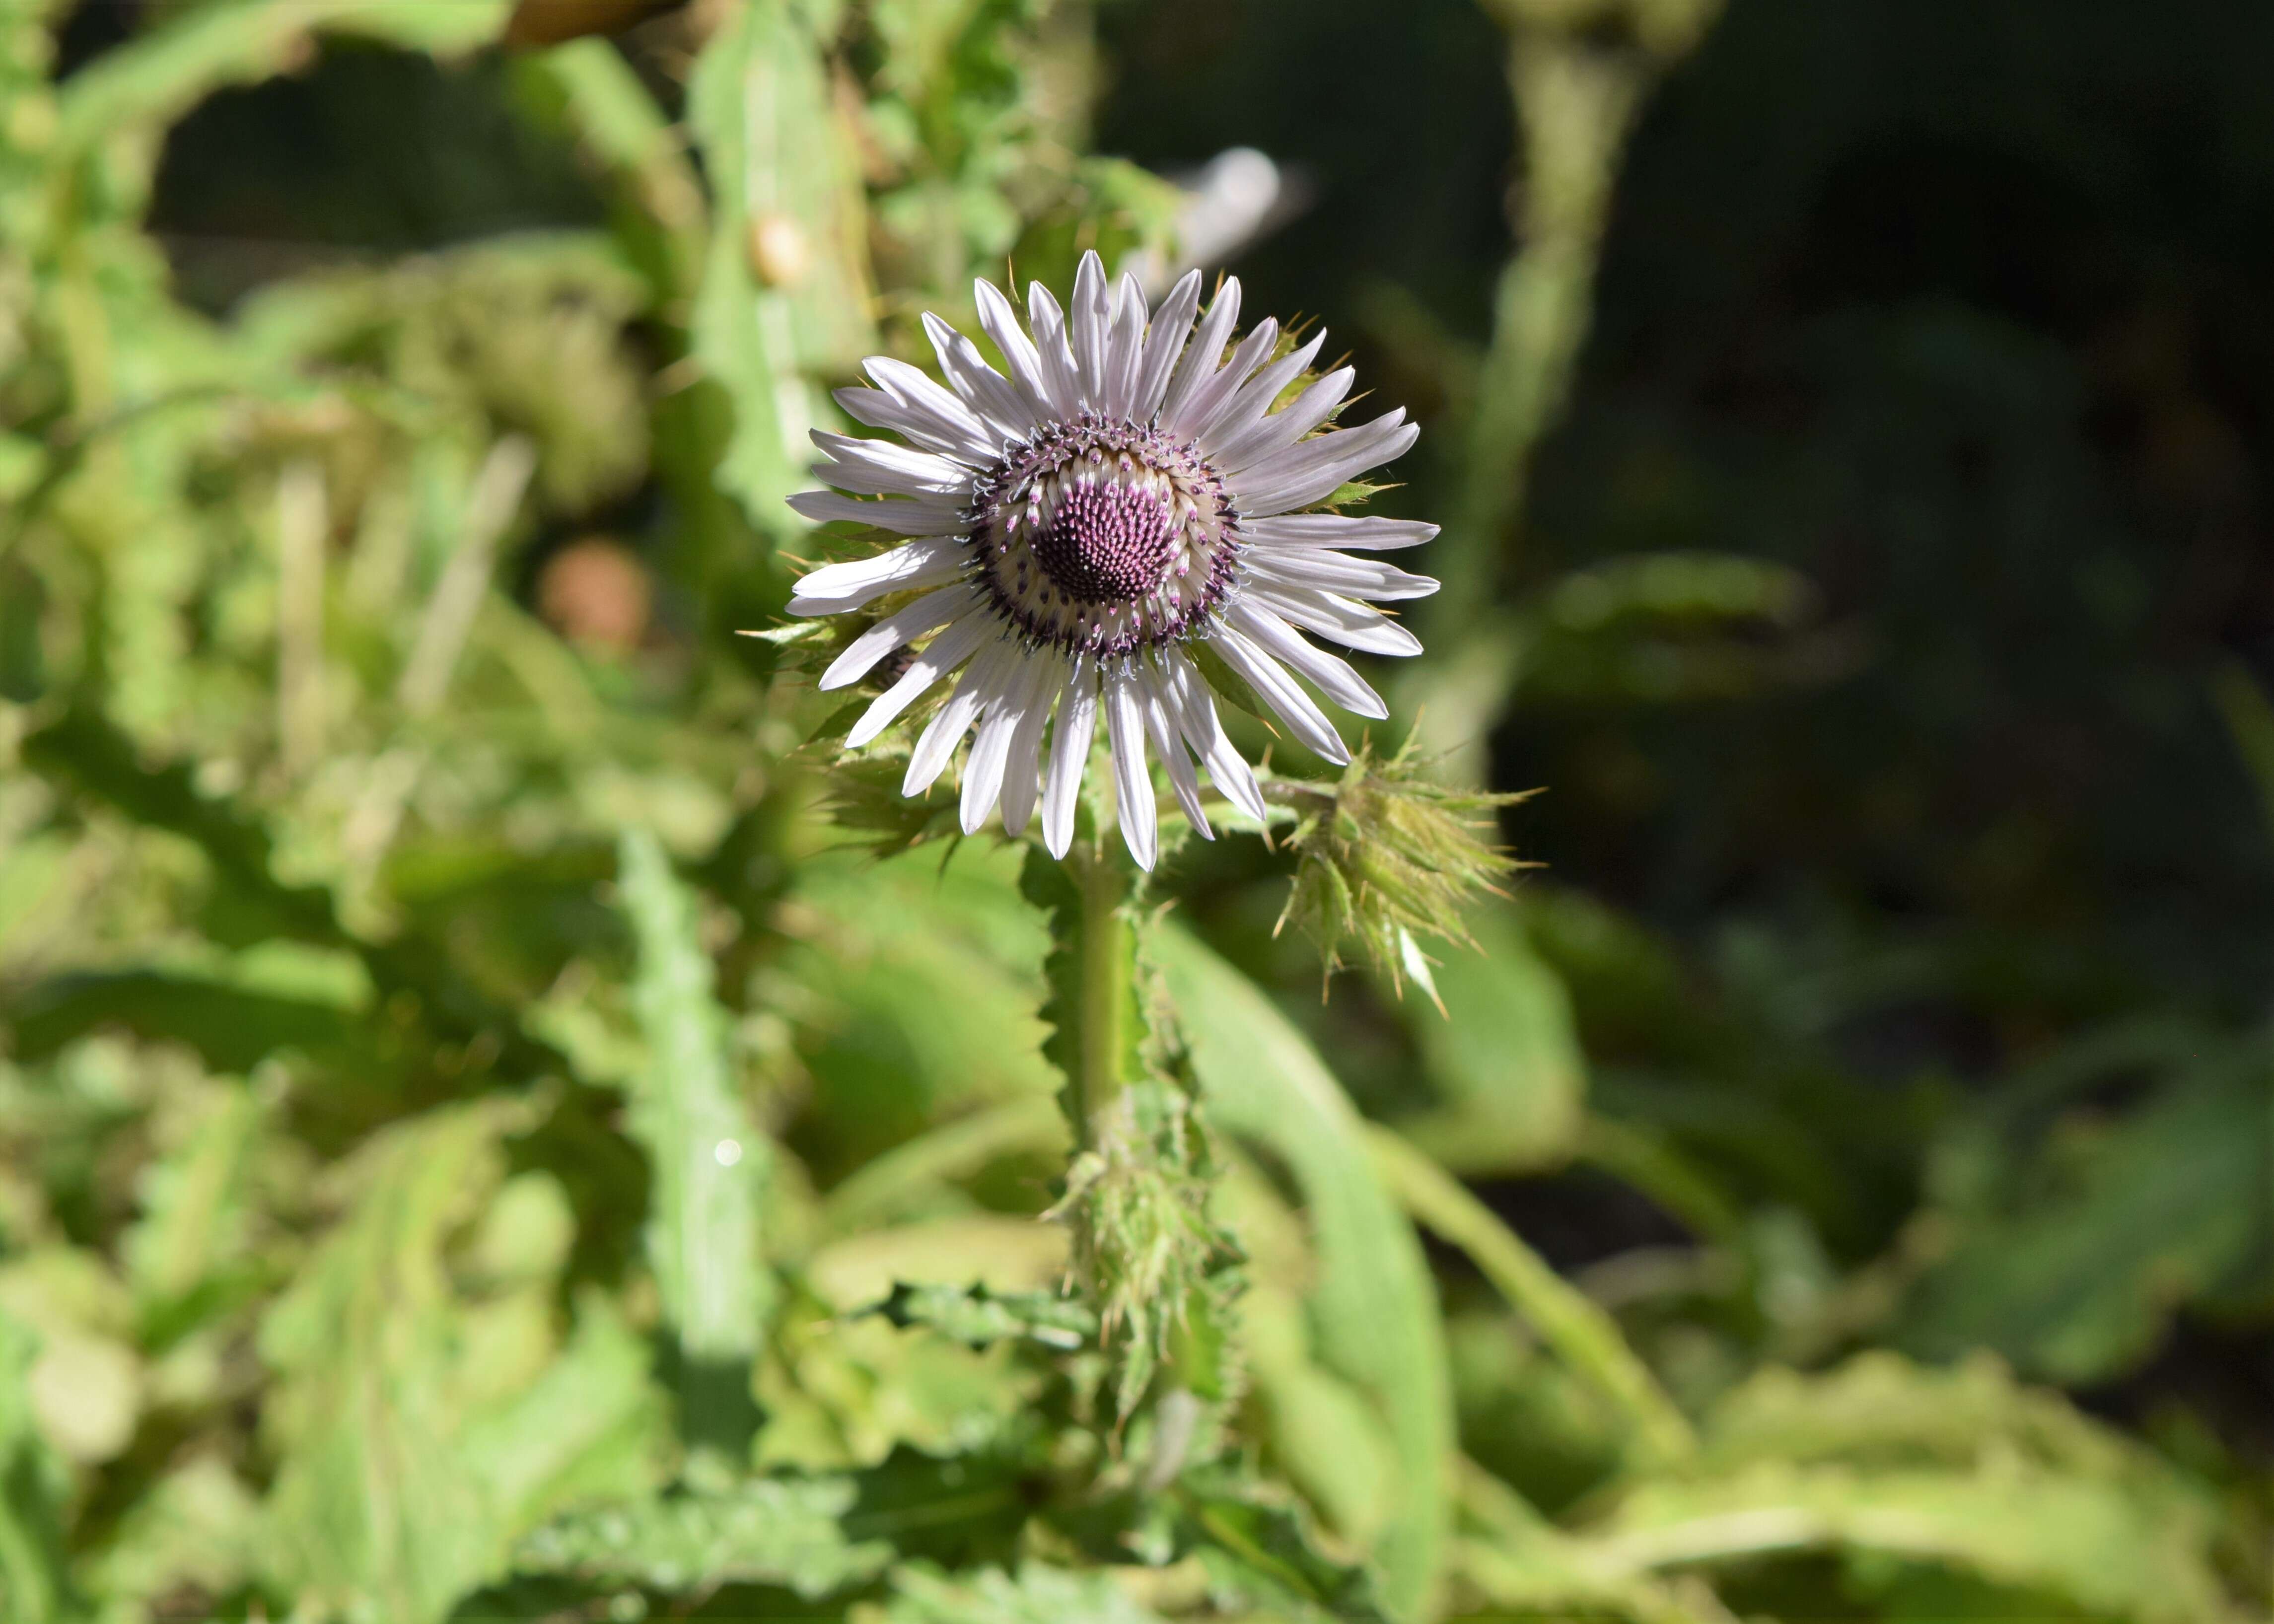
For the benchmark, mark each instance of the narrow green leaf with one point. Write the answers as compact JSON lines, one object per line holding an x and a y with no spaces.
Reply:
{"x":2038,"y":1533}
{"x":195,"y":1201}
{"x":231,"y":1028}
{"x":156,"y":80}
{"x":618,"y":121}
{"x":1374,"y":1305}
{"x":710,"y":1161}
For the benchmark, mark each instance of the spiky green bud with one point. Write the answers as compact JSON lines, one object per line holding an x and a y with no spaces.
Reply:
{"x":1389,"y":857}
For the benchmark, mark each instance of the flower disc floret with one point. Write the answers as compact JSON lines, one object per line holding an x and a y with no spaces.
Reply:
{"x":1103,"y":538}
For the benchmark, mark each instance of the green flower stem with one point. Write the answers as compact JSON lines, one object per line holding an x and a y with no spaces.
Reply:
{"x":1582,"y":1334}
{"x":1106,"y":958}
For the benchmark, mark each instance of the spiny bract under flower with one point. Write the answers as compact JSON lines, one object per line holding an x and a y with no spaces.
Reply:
{"x":1126,"y":489}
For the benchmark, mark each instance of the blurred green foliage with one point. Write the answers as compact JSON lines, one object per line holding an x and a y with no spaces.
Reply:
{"x":477,"y":1141}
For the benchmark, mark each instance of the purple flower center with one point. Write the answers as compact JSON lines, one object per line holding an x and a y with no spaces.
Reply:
{"x":1103,"y":538}
{"x":1108,"y":542}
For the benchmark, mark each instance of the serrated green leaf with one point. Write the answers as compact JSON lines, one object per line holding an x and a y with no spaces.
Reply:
{"x":199,"y":1526}
{"x":981,"y":1317}
{"x":196,"y":1200}
{"x":1375,"y":1306}
{"x":777,"y":1531}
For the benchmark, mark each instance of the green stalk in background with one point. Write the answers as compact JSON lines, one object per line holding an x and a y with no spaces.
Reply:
{"x":1579,"y":72}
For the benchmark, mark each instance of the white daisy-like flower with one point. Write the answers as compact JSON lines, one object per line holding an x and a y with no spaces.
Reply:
{"x":1124,"y":492}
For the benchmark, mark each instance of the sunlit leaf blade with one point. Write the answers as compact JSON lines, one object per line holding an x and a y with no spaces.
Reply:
{"x":2038,"y":1534}
{"x":1373,"y":1306}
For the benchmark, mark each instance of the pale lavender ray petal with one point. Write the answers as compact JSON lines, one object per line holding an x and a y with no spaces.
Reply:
{"x":912,"y":620}
{"x":882,"y":410}
{"x":1328,"y":673}
{"x":942,"y":655}
{"x":1059,"y":375}
{"x":1125,"y":344}
{"x":988,"y":392}
{"x":1361,"y":532}
{"x":1281,"y":429}
{"x":1169,"y":745}
{"x":886,"y":468}
{"x":1000,"y":318}
{"x":1197,"y":718}
{"x":909,"y":385}
{"x":1088,"y":316}
{"x":1207,"y":348}
{"x":1022,"y":766}
{"x":1069,"y":755}
{"x":1282,"y":693}
{"x":920,"y":516}
{"x":1125,"y":723}
{"x":1310,"y":473}
{"x":1354,"y":625}
{"x":983,"y":681}
{"x":1165,"y":342}
{"x":1200,"y":406}
{"x":1245,"y":408}
{"x":836,"y":588}
{"x":1338,"y":572}
{"x":982,"y":774}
